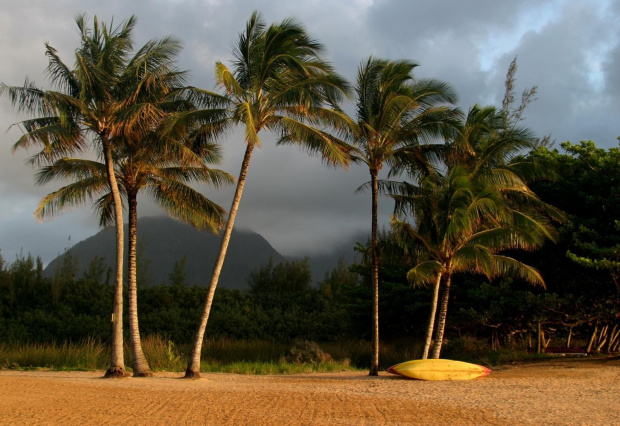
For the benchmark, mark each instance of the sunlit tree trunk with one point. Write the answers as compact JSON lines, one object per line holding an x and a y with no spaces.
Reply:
{"x":441,"y":320}
{"x":374,"y":362}
{"x":193,"y":367}
{"x":431,"y":319}
{"x":139,"y":363}
{"x":117,"y":362}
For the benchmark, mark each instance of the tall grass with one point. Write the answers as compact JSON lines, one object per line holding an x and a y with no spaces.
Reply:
{"x":161,"y":353}
{"x":219,"y":355}
{"x":281,"y":367}
{"x":90,"y":354}
{"x":227,"y":351}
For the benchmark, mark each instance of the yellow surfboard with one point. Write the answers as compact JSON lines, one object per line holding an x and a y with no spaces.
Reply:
{"x":439,"y":369}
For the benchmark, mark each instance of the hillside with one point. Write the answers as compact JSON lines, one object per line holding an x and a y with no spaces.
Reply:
{"x":163,"y":241}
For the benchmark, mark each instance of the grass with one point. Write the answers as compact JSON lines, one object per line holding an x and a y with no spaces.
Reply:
{"x":88,"y":355}
{"x":220,"y":355}
{"x":477,"y":351}
{"x":249,"y":356}
{"x":258,"y":368}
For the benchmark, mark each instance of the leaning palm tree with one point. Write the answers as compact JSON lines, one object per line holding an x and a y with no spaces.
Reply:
{"x":91,"y":104}
{"x":397,"y":118}
{"x":278,"y":82}
{"x":488,"y":151}
{"x":464,"y":224}
{"x":491,"y":148}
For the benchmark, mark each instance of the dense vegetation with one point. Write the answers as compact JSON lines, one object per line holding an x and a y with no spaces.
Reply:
{"x":581,"y":299}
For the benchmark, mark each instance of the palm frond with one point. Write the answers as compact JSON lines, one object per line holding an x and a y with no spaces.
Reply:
{"x":332,"y":150}
{"x":424,"y":273}
{"x":227,"y":80}
{"x":72,"y":168}
{"x":507,"y":266}
{"x":69,"y":196}
{"x":188,"y":205}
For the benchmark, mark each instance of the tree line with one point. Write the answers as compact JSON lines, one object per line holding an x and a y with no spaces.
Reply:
{"x":463,"y":185}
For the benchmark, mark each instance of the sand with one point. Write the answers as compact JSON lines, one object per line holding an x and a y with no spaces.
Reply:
{"x":558,"y":392}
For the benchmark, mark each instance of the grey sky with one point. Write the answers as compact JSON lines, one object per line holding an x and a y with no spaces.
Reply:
{"x":570,"y":49}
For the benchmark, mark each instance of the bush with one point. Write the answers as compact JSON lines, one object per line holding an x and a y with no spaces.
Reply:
{"x":305,"y":352}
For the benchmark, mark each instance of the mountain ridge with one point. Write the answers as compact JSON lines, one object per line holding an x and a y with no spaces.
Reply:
{"x":162,"y":241}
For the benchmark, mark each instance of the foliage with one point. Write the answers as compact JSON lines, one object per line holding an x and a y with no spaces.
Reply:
{"x":306,"y":352}
{"x":589,"y":192}
{"x":30,"y":313}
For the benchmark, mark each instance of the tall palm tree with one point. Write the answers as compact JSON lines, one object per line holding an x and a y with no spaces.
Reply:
{"x":144,"y":165}
{"x":278,"y":82}
{"x":397,"y":116}
{"x":94,"y":103}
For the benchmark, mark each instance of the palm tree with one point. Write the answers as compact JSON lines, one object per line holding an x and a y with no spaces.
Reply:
{"x":487,"y":150}
{"x":464,"y":226}
{"x":142,"y":165}
{"x":97,"y":102}
{"x":396,"y":118}
{"x":278,"y":82}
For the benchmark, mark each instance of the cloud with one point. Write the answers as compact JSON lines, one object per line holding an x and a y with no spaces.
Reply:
{"x":568,"y":48}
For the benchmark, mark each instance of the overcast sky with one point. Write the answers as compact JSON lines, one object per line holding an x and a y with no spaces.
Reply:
{"x":570,"y":49}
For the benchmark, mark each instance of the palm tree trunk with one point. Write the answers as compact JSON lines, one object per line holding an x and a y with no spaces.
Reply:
{"x":431,"y":319}
{"x":139,"y":363}
{"x":441,"y":321}
{"x":193,"y":367}
{"x":374,"y":362}
{"x":117,"y":362}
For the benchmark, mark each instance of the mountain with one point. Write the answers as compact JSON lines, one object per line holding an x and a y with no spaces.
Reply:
{"x":163,"y":241}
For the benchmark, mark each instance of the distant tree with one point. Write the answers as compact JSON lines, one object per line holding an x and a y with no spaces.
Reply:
{"x":587,"y":258}
{"x":65,"y":272}
{"x":338,"y":280}
{"x":96,"y":270}
{"x":178,"y":276}
{"x":281,"y":280}
{"x":592,"y":175}
{"x":144,"y":277}
{"x":513,"y":115}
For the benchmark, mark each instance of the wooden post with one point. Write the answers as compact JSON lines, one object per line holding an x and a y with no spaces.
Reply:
{"x":614,"y":344}
{"x":602,"y":338}
{"x":592,"y":338}
{"x":612,"y":338}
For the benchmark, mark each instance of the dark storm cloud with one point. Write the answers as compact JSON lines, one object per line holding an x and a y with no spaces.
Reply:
{"x":568,"y":48}
{"x":565,"y":59}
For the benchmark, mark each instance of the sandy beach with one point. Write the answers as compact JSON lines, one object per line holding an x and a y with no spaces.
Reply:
{"x":557,"y":392}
